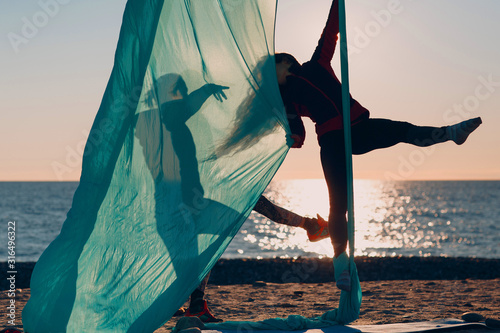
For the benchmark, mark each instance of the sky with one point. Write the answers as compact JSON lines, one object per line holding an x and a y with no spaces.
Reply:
{"x":427,"y":62}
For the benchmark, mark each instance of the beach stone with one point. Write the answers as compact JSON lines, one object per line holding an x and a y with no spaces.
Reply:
{"x":288,"y":305}
{"x":188,"y":323}
{"x":259,"y":284}
{"x":472,"y":317}
{"x":492,"y":323}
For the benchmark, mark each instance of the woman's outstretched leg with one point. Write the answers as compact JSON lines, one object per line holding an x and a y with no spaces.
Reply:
{"x":424,"y":136}
{"x":372,"y":134}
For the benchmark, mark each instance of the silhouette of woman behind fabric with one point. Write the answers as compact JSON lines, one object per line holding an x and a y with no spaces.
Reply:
{"x":175,"y":109}
{"x":169,"y":150}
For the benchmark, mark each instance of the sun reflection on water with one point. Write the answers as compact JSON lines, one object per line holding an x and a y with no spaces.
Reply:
{"x":373,"y":202}
{"x":391,"y":218}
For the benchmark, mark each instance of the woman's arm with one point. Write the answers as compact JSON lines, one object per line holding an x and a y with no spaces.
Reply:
{"x":296,"y":125}
{"x":328,"y":41}
{"x":179,"y":111}
{"x":198,"y":97}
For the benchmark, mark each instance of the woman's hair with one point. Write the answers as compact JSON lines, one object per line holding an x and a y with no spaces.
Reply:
{"x":295,"y":68}
{"x":253,"y":117}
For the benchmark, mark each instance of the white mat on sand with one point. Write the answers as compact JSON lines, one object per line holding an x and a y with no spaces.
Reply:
{"x":446,"y":325}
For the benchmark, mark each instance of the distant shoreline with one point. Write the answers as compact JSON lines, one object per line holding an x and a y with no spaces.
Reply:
{"x":314,"y":270}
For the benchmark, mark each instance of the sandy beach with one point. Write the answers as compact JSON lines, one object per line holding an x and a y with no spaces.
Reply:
{"x":389,"y":300}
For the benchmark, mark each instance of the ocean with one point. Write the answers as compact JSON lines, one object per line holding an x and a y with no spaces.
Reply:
{"x":393,"y":218}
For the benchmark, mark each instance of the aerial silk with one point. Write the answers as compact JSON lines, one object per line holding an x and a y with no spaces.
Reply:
{"x":190,"y":131}
{"x":350,"y":301}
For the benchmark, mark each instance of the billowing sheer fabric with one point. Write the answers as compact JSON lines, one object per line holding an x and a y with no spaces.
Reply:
{"x":171,"y":169}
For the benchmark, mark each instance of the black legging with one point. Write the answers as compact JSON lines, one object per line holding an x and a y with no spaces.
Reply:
{"x":366,"y":136}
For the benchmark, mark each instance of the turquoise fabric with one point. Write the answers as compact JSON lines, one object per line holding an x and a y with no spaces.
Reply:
{"x":171,"y":168}
{"x":346,"y":113}
{"x":165,"y":185}
{"x":350,"y":302}
{"x":347,"y":312}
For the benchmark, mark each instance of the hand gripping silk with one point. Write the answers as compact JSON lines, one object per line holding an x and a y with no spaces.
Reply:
{"x":171,"y":168}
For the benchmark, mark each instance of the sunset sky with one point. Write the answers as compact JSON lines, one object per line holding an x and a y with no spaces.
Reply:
{"x":429,"y":62}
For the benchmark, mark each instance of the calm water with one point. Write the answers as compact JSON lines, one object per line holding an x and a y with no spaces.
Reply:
{"x":455,"y":219}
